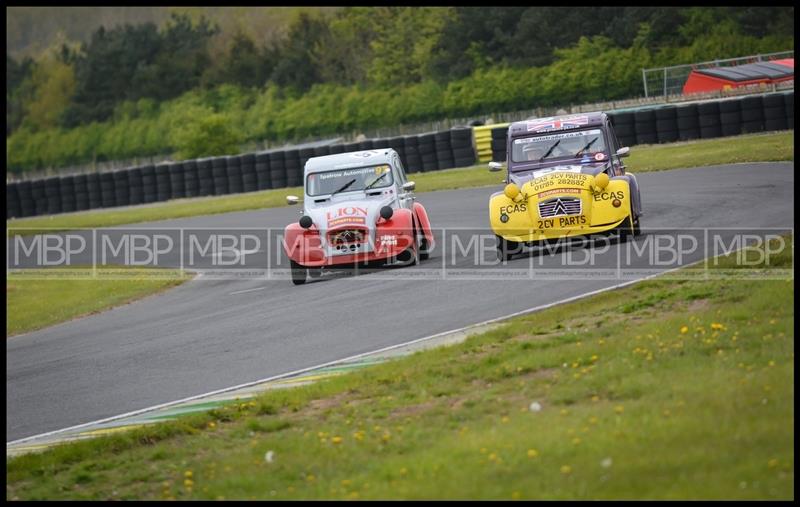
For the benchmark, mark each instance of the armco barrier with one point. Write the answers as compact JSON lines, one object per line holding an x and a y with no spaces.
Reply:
{"x":457,"y":147}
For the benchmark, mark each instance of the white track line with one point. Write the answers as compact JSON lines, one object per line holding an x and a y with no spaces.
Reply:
{"x":246,"y":290}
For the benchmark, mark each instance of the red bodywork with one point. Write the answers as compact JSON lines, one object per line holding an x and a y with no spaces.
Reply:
{"x":304,"y":246}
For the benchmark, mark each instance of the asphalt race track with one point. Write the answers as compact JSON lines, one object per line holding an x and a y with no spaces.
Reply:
{"x":212,"y":334}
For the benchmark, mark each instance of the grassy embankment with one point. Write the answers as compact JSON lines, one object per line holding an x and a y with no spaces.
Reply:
{"x":36,"y":303}
{"x":645,"y":158}
{"x":666,"y":389}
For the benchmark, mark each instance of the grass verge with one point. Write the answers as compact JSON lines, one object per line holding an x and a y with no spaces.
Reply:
{"x":33,"y":302}
{"x":747,"y":148}
{"x":668,"y":389}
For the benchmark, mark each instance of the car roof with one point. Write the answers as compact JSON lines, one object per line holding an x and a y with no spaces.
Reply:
{"x":347,"y":160}
{"x":556,"y":123}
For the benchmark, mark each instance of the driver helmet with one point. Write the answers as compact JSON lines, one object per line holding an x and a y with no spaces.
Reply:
{"x":532,"y":151}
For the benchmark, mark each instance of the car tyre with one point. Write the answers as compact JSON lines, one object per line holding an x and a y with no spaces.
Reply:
{"x":506,"y":249}
{"x":626,"y":229}
{"x":299,"y":273}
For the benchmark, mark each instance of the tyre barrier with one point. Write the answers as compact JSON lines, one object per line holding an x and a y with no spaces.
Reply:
{"x":294,"y":171}
{"x":322,"y":151}
{"x":426,"y":147}
{"x":135,"y":186}
{"x":205,"y":177}
{"x":644,"y":123}
{"x":107,"y":194}
{"x":418,"y":153}
{"x":177,"y":181}
{"x":219,"y":171}
{"x":305,"y":154}
{"x":499,"y":144}
{"x":67,"y":193}
{"x":27,"y":206}
{"x":730,"y":117}
{"x":624,"y":127}
{"x":191,"y":184}
{"x":688,"y":125}
{"x":708,"y":119}
{"x":93,"y":190}
{"x":39,"y":200}
{"x":249,"y":176}
{"x":752,"y":114}
{"x":121,"y":188}
{"x":398,"y":145}
{"x":666,"y":124}
{"x":463,"y":151}
{"x":233,"y":168}
{"x":380,"y":143}
{"x":444,"y":150}
{"x":774,"y":112}
{"x":413,"y":162}
{"x":263,"y":181}
{"x":13,"y":208}
{"x":163,"y":189}
{"x":277,"y":169}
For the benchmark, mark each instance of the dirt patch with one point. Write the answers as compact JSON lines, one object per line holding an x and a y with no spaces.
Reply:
{"x":699,"y":305}
{"x":412,"y":410}
{"x":321,"y":405}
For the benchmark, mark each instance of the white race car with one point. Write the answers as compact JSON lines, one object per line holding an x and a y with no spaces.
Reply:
{"x":357,"y":207}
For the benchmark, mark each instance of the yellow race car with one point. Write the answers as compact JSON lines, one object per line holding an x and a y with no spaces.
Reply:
{"x":565,"y":178}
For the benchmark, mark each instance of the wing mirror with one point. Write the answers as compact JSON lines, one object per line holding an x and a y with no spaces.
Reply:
{"x":623,"y":152}
{"x":495,"y":166}
{"x":408,"y":186}
{"x":292,"y":199}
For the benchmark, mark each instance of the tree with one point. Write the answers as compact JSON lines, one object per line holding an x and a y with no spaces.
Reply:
{"x":295,"y":58}
{"x":18,"y":90}
{"x":53,"y":84}
{"x":405,"y":40}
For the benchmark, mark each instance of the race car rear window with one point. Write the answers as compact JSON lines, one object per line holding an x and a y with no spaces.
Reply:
{"x":327,"y":182}
{"x":570,"y":145}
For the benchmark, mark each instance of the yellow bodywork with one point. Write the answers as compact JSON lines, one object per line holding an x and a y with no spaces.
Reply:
{"x":523,"y":223}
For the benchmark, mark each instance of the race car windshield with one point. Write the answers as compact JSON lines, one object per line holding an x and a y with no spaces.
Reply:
{"x":328,"y":182}
{"x":581,"y":145}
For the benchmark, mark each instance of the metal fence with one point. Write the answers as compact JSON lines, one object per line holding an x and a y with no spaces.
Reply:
{"x":665,"y":81}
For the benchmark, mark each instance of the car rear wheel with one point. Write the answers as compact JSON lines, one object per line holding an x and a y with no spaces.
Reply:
{"x":626,"y":229}
{"x":299,"y":273}
{"x":506,"y":249}
{"x":637,"y":229}
{"x":422,"y":247}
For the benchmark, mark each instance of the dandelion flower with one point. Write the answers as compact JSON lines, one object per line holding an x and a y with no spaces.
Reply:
{"x":684,"y":329}
{"x":619,"y":409}
{"x":188,"y":474}
{"x":772,"y":463}
{"x":336,"y":440}
{"x":566,"y":469}
{"x":515,"y":495}
{"x":532,"y":453}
